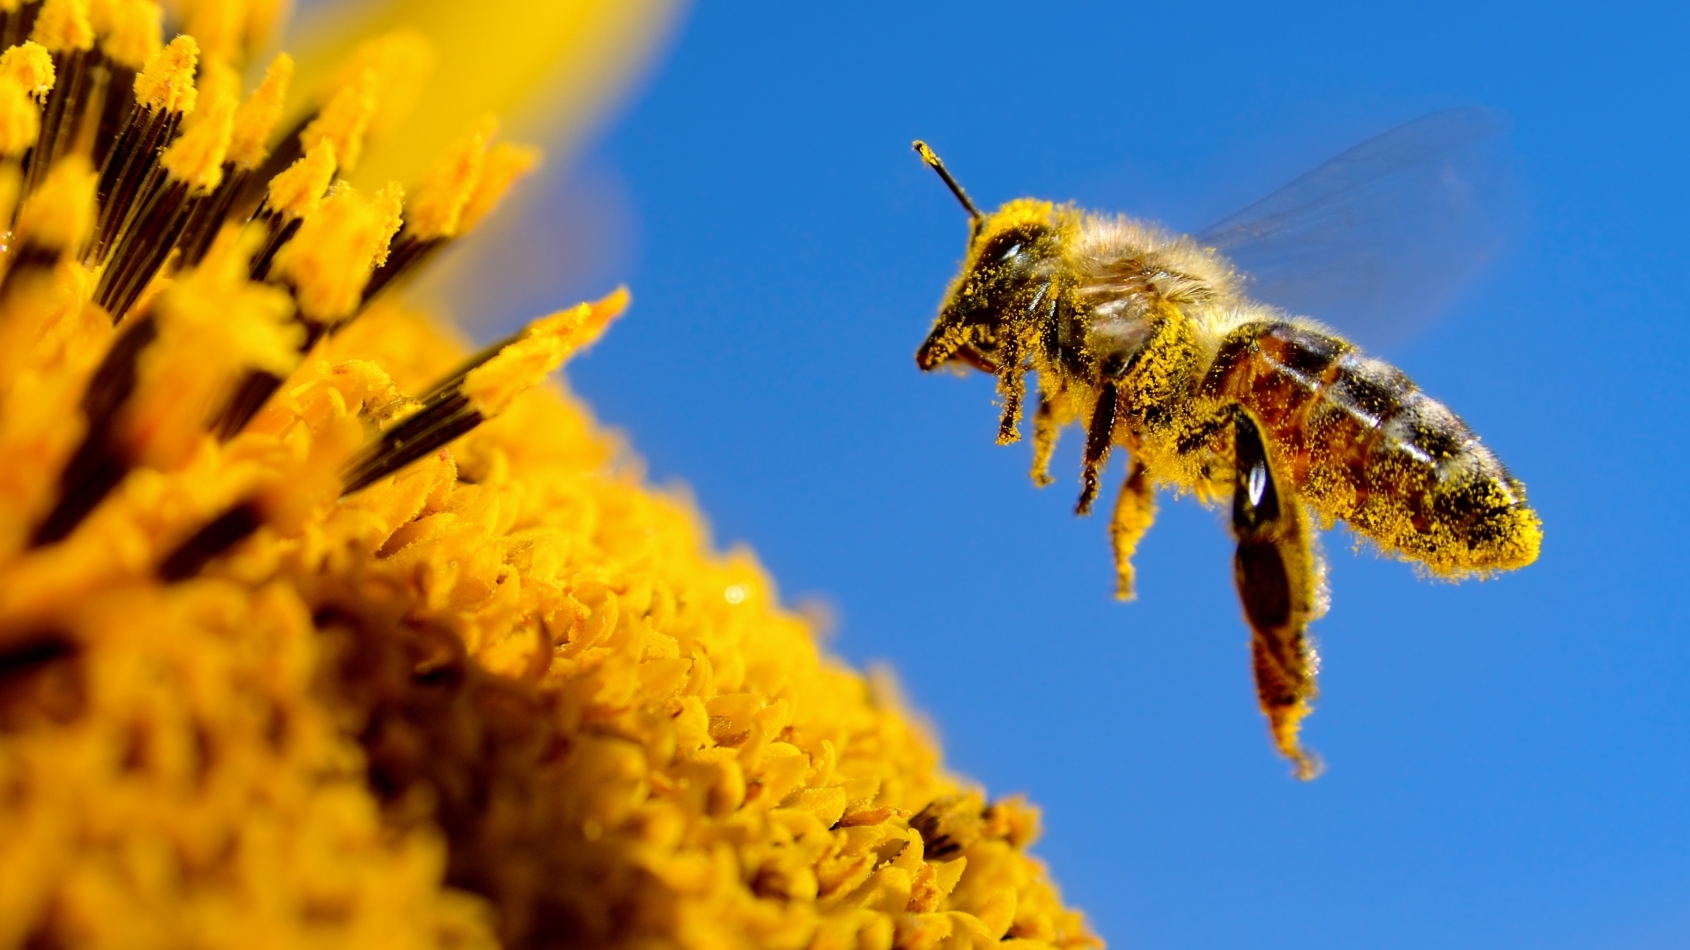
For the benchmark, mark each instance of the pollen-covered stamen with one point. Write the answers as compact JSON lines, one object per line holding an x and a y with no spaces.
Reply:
{"x":253,"y":122}
{"x":130,"y":33}
{"x":31,"y":66}
{"x":391,"y":69}
{"x":480,"y":392}
{"x":187,"y":174}
{"x":162,"y":375}
{"x":324,"y":267}
{"x":293,"y":195}
{"x":164,"y":94}
{"x":464,"y":185}
{"x":38,"y":290}
{"x":63,"y":29}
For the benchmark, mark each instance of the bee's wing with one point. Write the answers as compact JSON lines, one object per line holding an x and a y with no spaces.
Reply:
{"x":1379,"y":240}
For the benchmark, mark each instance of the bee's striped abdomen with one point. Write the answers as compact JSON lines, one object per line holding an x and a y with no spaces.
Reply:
{"x":1362,"y":443}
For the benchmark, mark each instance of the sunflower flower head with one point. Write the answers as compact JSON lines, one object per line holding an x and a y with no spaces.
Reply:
{"x":318,"y":629}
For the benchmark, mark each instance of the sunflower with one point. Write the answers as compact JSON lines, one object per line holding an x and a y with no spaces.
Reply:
{"x":318,"y":627}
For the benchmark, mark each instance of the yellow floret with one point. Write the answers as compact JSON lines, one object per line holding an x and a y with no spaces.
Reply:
{"x":167,"y":80}
{"x":256,"y":118}
{"x":62,"y":26}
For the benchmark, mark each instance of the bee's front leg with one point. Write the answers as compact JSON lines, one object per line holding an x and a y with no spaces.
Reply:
{"x":1278,"y":582}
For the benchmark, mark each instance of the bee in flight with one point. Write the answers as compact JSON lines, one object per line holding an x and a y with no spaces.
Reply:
{"x":1147,"y":339}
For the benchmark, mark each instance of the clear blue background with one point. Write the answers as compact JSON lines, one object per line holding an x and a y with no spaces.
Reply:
{"x":1507,"y":760}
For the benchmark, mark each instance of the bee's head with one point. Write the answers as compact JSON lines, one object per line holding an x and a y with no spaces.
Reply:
{"x":1003,"y":277}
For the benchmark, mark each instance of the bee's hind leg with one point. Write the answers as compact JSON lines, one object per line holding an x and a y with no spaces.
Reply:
{"x":1135,"y":510}
{"x":1100,"y":434}
{"x":1278,"y":582}
{"x":1045,"y":431}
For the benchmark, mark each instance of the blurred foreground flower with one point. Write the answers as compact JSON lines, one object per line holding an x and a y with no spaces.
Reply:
{"x":315,"y":632}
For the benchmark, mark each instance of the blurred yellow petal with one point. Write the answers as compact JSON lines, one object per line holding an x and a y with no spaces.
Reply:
{"x":550,"y":70}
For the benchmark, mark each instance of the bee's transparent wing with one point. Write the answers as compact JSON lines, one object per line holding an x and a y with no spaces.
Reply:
{"x":1378,"y":241}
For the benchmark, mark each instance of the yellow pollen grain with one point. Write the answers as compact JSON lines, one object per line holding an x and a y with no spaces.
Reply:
{"x":389,"y":206}
{"x":135,"y":32}
{"x":167,"y":81}
{"x":197,"y":156}
{"x":256,"y":118}
{"x":543,"y":346}
{"x":57,"y":215}
{"x":296,"y":190}
{"x":502,"y":166}
{"x":62,"y":26}
{"x":31,"y":65}
{"x":329,"y":260}
{"x":20,"y":119}
{"x":438,"y":207}
{"x":401,"y":61}
{"x":345,"y":119}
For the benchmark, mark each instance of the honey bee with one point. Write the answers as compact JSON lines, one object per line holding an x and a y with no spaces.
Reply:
{"x":1148,"y":339}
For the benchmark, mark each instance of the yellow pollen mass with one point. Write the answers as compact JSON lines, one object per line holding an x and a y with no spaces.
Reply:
{"x":345,"y":119}
{"x":20,"y":119}
{"x":57,"y":215}
{"x":135,"y":32}
{"x":389,"y":206}
{"x":256,"y":118}
{"x":296,"y":190}
{"x":62,"y":26}
{"x":437,"y":209}
{"x":31,"y":66}
{"x":196,"y":157}
{"x":503,"y":166}
{"x":167,"y":80}
{"x":330,"y":258}
{"x":542,"y":348}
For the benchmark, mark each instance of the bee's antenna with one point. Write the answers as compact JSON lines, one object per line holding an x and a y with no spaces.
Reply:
{"x":933,"y":162}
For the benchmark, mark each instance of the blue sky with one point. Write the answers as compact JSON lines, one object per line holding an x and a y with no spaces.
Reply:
{"x":1509,"y":761}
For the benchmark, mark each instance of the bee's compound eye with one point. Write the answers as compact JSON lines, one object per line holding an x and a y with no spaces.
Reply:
{"x":1009,"y":252}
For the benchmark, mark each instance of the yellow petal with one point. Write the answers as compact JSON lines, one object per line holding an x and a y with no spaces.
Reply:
{"x":549,"y":70}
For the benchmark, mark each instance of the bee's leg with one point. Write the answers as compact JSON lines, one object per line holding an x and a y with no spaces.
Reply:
{"x":1278,"y":582}
{"x":1135,"y":509}
{"x":1045,"y":430}
{"x":1099,"y":435}
{"x":1012,"y":389}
